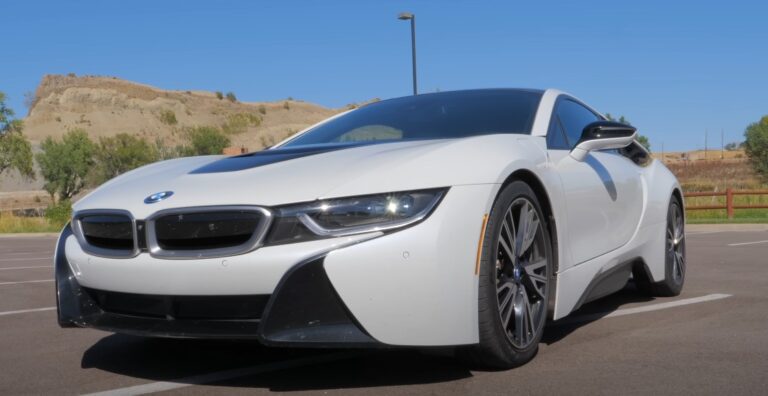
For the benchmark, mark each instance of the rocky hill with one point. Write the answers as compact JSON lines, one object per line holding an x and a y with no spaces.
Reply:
{"x":105,"y":106}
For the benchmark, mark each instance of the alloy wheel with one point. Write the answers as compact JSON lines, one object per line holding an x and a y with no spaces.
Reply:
{"x":676,"y":243}
{"x":522,"y":278}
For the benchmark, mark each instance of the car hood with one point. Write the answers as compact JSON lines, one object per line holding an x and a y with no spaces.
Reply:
{"x":287,"y":175}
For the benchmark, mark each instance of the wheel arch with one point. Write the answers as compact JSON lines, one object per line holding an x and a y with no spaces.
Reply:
{"x":538,"y":188}
{"x":679,"y":195}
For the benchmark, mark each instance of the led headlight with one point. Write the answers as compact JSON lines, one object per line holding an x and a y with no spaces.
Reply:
{"x":352,"y":215}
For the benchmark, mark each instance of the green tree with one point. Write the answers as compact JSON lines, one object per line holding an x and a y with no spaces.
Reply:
{"x":231,"y":97}
{"x":15,"y":150}
{"x":642,"y":139}
{"x":756,"y":145}
{"x":66,"y":163}
{"x":121,"y":153}
{"x":204,"y":140}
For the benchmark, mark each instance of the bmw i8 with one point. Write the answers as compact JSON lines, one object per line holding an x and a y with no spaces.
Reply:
{"x":464,"y":219}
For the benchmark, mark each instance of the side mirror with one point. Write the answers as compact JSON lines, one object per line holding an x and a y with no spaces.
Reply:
{"x":603,"y":135}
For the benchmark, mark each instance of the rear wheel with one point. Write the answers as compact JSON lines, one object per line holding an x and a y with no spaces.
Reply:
{"x":515,"y":271}
{"x":674,"y":256}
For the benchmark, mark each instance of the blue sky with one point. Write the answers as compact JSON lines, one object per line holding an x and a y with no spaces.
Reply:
{"x":674,"y":68}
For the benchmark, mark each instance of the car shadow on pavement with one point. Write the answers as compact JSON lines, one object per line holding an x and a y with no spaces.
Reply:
{"x":175,"y":359}
{"x":593,"y":311}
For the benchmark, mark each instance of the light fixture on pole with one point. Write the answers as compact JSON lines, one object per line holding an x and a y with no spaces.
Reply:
{"x":406,"y":16}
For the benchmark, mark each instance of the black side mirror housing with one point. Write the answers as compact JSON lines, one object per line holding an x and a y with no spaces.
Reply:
{"x":606,"y":130}
{"x":602,"y":135}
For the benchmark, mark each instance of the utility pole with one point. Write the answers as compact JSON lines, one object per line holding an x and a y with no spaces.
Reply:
{"x":722,"y":144}
{"x":706,"y":135}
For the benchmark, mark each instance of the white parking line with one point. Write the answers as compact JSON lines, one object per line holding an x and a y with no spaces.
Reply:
{"x":747,"y":243}
{"x":219,"y":376}
{"x":642,"y":309}
{"x":26,"y":311}
{"x":20,"y":253}
{"x":30,"y":267}
{"x":28,"y":259}
{"x":22,"y":282}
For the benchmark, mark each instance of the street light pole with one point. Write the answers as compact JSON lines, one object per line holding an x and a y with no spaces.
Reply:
{"x":405,"y":16}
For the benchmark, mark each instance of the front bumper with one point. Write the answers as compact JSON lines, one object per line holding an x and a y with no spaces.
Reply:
{"x":304,"y":310}
{"x":413,"y":287}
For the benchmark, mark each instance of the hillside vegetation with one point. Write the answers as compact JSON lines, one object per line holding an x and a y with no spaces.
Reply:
{"x":107,"y":106}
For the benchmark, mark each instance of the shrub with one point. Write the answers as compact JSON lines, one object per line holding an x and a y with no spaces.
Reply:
{"x":239,"y":123}
{"x":231,"y":97}
{"x":219,"y":95}
{"x":262,"y":109}
{"x":168,"y":117}
{"x":121,"y":153}
{"x":286,"y":105}
{"x":59,"y":213}
{"x":205,"y":140}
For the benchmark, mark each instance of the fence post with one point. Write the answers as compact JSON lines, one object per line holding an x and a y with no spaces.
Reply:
{"x":729,"y":202}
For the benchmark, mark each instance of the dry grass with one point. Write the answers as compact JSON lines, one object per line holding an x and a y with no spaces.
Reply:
{"x":717,"y":176}
{"x":13,"y":224}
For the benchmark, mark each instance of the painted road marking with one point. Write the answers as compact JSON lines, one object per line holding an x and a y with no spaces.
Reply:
{"x":18,"y":268}
{"x":747,"y":243}
{"x":32,"y":281}
{"x":219,"y":376}
{"x":27,"y":259}
{"x":642,"y":309}
{"x":26,"y":311}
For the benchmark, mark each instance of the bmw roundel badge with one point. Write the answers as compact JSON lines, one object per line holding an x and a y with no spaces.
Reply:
{"x":157,"y":197}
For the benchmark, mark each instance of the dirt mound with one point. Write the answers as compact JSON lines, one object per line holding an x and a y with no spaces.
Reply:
{"x":106,"y":106}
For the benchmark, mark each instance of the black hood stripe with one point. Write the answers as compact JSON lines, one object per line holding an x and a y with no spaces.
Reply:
{"x":266,"y":157}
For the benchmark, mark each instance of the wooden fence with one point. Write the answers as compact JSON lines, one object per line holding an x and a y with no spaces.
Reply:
{"x":729,"y":206}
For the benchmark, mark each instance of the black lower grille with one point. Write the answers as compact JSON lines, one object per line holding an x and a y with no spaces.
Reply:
{"x":108,"y":231}
{"x":181,"y":307}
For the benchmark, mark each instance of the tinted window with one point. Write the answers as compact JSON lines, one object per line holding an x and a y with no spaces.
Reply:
{"x":431,"y":116}
{"x":555,"y":136}
{"x":574,"y":117}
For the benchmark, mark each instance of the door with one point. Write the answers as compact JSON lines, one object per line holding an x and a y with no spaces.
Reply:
{"x":603,"y":193}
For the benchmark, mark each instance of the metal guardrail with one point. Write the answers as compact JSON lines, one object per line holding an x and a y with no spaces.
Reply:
{"x":729,"y":206}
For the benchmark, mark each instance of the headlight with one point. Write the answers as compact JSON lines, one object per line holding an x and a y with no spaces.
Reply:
{"x":353,"y":215}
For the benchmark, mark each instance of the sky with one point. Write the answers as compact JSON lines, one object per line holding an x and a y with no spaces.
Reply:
{"x":675,"y":69}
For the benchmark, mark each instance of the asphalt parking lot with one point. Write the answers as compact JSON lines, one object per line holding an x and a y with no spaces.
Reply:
{"x":712,"y":339}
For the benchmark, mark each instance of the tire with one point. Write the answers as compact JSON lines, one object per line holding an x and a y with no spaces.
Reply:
{"x":674,"y":257}
{"x":506,"y":286}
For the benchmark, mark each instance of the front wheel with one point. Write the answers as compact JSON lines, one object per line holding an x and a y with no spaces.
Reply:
{"x":514,"y":281}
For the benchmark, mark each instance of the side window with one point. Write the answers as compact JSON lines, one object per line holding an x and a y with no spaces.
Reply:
{"x":574,"y":117}
{"x":555,"y":136}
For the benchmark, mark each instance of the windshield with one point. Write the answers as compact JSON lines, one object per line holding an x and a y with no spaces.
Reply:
{"x":440,"y":115}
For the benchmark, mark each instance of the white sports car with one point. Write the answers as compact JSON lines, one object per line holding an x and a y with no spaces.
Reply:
{"x":464,"y":218}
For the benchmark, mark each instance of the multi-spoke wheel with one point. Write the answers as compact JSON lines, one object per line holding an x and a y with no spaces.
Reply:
{"x":514,"y":284}
{"x":676,"y":243}
{"x":674,"y":257}
{"x":521,"y":273}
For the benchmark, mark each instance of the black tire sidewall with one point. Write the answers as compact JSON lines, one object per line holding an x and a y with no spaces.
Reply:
{"x":495,"y":336}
